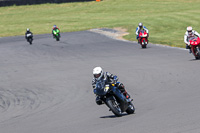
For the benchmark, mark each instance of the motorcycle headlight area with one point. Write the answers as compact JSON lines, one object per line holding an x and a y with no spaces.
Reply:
{"x":106,"y":88}
{"x":145,"y":35}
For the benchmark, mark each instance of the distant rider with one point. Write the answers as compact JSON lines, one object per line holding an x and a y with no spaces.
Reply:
{"x":54,"y":29}
{"x":109,"y":78}
{"x":190,"y":33}
{"x":28,"y":32}
{"x":139,"y":28}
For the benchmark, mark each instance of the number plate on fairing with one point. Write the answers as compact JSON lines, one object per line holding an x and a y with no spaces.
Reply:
{"x":106,"y":88}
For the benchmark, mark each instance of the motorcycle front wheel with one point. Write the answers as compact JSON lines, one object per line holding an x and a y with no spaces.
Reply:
{"x":30,"y":41}
{"x":114,"y":106}
{"x":130,"y":109}
{"x":144,"y":45}
{"x":197,"y":56}
{"x":57,"y":38}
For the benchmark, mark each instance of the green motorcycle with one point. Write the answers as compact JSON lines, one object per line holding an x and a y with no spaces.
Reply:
{"x":56,"y":34}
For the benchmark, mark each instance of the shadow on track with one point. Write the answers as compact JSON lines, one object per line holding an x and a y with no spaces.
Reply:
{"x":114,"y":116}
{"x":194,"y":59}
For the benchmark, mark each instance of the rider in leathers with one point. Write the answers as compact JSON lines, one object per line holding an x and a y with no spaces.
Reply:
{"x":190,"y":33}
{"x":109,"y":78}
{"x":28,"y":32}
{"x":54,"y":29}
{"x":139,"y":28}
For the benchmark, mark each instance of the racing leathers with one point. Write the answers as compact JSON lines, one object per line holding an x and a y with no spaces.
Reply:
{"x":188,"y":36}
{"x":110,"y":79}
{"x":55,"y":29}
{"x":27,"y":33}
{"x":138,"y":31}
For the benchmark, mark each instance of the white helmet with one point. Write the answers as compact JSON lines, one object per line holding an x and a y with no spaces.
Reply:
{"x":98,"y":73}
{"x":140,"y":25}
{"x":189,"y":29}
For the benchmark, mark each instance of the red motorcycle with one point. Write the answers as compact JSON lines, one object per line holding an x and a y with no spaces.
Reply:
{"x":143,"y":38}
{"x":195,"y":47}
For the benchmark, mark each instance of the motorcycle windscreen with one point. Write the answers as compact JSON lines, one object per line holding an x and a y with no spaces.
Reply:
{"x":100,"y":90}
{"x":29,"y":35}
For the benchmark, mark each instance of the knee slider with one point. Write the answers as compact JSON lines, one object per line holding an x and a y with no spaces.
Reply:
{"x":99,"y":101}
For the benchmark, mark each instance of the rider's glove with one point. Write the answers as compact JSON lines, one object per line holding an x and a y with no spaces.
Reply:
{"x":115,"y":78}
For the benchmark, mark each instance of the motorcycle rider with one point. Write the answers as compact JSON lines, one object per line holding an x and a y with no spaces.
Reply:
{"x":54,"y":29}
{"x":139,"y":28}
{"x":28,"y":32}
{"x":190,"y":33}
{"x":109,"y":78}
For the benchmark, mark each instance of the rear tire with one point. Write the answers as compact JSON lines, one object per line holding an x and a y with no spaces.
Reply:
{"x":113,"y":105}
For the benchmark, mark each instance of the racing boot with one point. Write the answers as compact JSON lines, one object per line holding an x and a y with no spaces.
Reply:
{"x":138,"y":40}
{"x":188,"y":47}
{"x":126,"y":94}
{"x":190,"y":51}
{"x":122,"y":89}
{"x":98,"y":100}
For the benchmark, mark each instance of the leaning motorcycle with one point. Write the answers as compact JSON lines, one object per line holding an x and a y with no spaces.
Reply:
{"x":29,"y":38}
{"x":113,"y":98}
{"x":143,"y":38}
{"x":56,"y":34}
{"x":195,"y":47}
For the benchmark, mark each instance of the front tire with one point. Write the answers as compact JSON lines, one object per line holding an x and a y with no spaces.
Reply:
{"x":114,"y":106}
{"x":197,"y":51}
{"x":30,"y":41}
{"x":130,"y":109}
{"x":144,"y":45}
{"x":196,"y":57}
{"x":57,"y":38}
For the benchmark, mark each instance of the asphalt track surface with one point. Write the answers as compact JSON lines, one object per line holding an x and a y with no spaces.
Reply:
{"x":46,"y":87}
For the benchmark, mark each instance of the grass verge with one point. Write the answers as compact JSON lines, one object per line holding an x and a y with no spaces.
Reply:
{"x":166,"y":20}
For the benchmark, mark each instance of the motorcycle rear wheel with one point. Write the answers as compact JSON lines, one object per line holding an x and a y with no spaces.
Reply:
{"x":114,"y":106}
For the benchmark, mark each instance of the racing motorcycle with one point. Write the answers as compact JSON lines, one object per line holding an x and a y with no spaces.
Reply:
{"x":56,"y":34}
{"x":143,"y":38}
{"x":195,"y":47}
{"x":113,"y":98}
{"x":29,"y":38}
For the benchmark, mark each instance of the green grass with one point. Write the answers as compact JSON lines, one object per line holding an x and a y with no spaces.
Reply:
{"x":166,"y":19}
